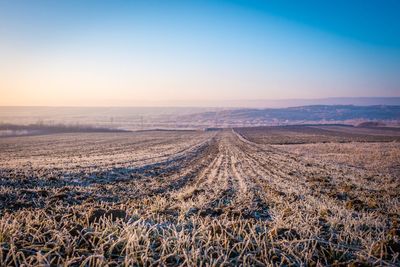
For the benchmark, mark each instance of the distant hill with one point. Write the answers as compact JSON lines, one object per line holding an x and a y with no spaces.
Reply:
{"x":144,"y":118}
{"x":370,"y":124}
{"x":284,"y":103}
{"x":302,"y":114}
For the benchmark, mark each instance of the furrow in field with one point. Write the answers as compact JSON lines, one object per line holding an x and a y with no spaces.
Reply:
{"x":172,"y":173}
{"x":293,"y":178}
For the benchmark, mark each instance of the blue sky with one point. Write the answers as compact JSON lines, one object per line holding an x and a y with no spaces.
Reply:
{"x":196,"y":52}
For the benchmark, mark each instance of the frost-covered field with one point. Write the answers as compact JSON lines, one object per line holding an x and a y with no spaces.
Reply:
{"x":229,"y":197}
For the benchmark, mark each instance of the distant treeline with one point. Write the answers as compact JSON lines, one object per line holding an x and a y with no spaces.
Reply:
{"x":7,"y":129}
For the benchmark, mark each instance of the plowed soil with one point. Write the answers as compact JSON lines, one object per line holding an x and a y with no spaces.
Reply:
{"x":194,"y":198}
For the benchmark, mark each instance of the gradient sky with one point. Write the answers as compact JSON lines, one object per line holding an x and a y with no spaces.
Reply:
{"x":130,"y":53}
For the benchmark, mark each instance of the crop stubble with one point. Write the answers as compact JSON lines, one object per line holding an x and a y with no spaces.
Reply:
{"x":197,"y":198}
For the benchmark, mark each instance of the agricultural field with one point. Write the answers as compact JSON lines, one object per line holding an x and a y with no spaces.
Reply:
{"x":298,"y":195}
{"x":307,"y":134}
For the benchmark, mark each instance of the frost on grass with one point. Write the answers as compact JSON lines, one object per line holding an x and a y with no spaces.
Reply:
{"x":197,"y":198}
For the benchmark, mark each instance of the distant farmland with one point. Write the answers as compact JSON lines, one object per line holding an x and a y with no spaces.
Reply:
{"x":131,"y":118}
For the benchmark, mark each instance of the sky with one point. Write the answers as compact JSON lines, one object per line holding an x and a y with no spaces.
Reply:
{"x":195,"y":53}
